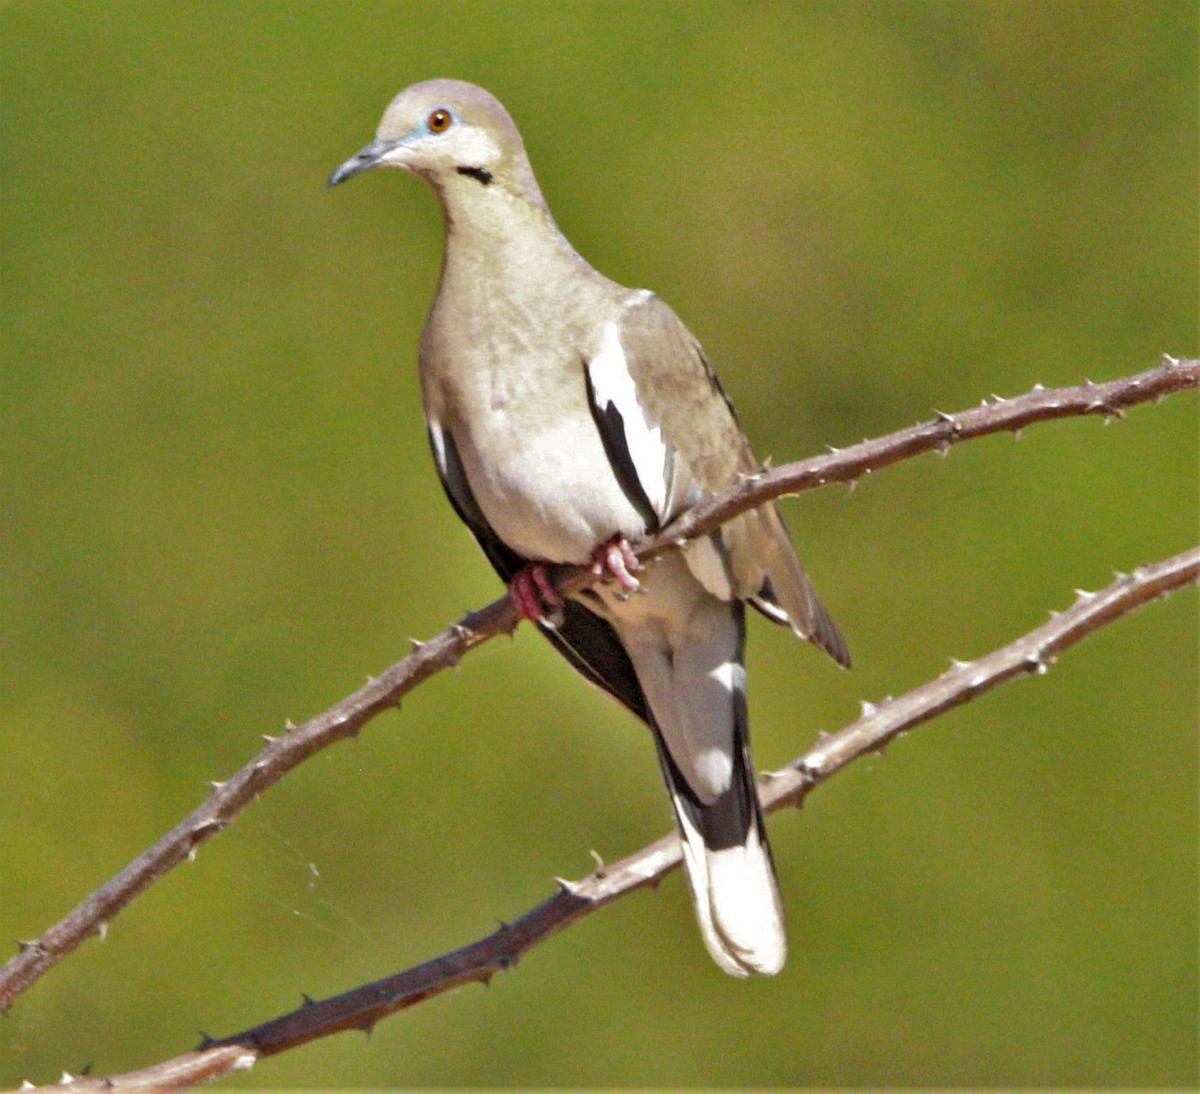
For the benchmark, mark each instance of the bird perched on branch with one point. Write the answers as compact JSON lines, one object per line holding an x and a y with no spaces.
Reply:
{"x":570,"y":417}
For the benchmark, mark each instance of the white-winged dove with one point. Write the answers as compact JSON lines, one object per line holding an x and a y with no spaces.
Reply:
{"x":568,"y":417}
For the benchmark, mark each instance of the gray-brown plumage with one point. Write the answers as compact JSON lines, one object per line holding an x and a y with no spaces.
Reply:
{"x":568,"y":415}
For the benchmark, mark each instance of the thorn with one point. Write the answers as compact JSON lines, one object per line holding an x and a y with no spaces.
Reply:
{"x":868,"y":709}
{"x":369,"y":680}
{"x":27,"y":1085}
{"x":943,"y":449}
{"x":850,"y":485}
{"x":1034,"y":663}
{"x":998,"y":400}
{"x":306,"y":1000}
{"x":1038,"y":387}
{"x":1054,"y":614}
{"x":1017,"y":433}
{"x":102,"y":930}
{"x":1083,"y":594}
{"x":1088,"y":383}
{"x":417,"y":645}
{"x":502,"y":926}
{"x":368,"y":1028}
{"x":268,"y":739}
{"x":1168,"y":361}
{"x":67,"y":1078}
{"x":205,"y":1042}
{"x":960,"y":664}
{"x":217,"y":785}
{"x":485,"y":978}
{"x":831,"y":450}
{"x":191,"y":855}
{"x":289,"y":726}
{"x":571,"y":888}
{"x":24,"y":945}
{"x":601,"y":870}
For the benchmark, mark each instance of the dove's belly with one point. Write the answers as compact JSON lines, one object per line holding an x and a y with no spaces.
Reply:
{"x":547,"y":489}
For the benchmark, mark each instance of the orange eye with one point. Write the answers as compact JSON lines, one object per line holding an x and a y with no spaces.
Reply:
{"x":439,"y":121}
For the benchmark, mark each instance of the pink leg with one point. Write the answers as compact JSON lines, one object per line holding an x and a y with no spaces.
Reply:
{"x":616,"y":558}
{"x":535,"y":596}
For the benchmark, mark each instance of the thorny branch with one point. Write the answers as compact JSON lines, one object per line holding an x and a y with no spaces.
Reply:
{"x":346,"y":718}
{"x":479,"y":961}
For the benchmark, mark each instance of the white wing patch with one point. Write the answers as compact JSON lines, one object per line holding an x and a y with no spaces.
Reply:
{"x":438,"y":441}
{"x":612,"y":383}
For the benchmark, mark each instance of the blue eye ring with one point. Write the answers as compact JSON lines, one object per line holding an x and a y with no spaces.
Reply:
{"x":439,"y":120}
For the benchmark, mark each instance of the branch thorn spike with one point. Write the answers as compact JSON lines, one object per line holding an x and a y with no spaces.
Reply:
{"x":1017,"y":433}
{"x":1038,"y":387}
{"x":868,"y":709}
{"x":417,"y":644}
{"x":571,"y":888}
{"x":306,"y":1000}
{"x":601,"y":869}
{"x":850,"y":485}
{"x":289,"y":726}
{"x":217,"y":785}
{"x":268,"y":739}
{"x":102,"y":930}
{"x":27,"y":1085}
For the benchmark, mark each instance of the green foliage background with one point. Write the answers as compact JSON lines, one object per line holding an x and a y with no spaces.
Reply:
{"x":219,"y":512}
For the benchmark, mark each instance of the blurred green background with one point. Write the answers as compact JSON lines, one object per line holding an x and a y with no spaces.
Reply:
{"x":219,"y":512}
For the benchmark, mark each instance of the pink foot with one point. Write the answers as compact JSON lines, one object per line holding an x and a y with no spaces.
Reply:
{"x":535,"y":596}
{"x":616,"y":559}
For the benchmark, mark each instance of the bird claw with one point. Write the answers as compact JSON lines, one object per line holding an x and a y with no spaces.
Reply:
{"x":616,"y":559}
{"x":536,"y":598}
